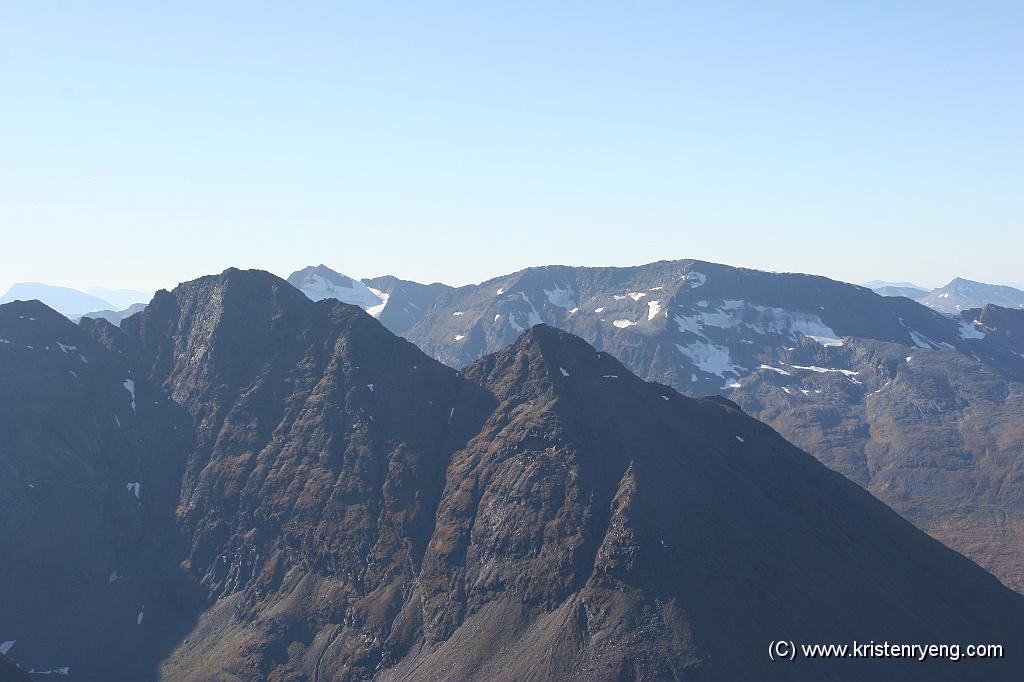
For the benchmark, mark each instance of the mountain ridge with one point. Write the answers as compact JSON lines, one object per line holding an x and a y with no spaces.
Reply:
{"x":348,"y":508}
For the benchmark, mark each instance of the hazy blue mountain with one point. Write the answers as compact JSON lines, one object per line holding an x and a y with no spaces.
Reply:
{"x":121,"y":298}
{"x":962,"y":294}
{"x":877,"y":284}
{"x":114,"y":317}
{"x":62,"y":299}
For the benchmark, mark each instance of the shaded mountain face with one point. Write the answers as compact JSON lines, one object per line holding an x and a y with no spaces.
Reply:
{"x":345,"y":507}
{"x":10,"y":672}
{"x":62,"y":299}
{"x":812,"y":358}
{"x":91,"y":456}
{"x":962,"y":294}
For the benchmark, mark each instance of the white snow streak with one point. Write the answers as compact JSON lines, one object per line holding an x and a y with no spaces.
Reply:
{"x":129,"y":386}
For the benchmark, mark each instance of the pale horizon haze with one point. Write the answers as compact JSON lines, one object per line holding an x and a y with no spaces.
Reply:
{"x":141,"y":146}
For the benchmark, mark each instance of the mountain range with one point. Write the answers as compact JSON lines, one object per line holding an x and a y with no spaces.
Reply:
{"x":923,"y":409}
{"x":240,"y":483}
{"x":97,"y":302}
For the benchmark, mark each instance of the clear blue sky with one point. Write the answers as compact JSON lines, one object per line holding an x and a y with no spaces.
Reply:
{"x":144,"y":145}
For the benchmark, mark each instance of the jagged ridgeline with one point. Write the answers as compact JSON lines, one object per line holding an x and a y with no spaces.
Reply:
{"x":243,"y":484}
{"x":923,"y":409}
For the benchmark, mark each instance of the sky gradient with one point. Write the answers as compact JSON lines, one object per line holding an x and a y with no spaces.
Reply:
{"x":143,"y":146}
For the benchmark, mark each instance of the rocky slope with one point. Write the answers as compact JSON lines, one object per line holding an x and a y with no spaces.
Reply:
{"x":823,"y":362}
{"x":341,"y":506}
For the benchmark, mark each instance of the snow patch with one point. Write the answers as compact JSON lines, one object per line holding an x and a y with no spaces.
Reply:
{"x":610,"y":376}
{"x":969,"y":330}
{"x":376,"y":310}
{"x":459,"y":337}
{"x":740,"y":439}
{"x":142,"y":613}
{"x":562,"y":370}
{"x":370,"y":386}
{"x":776,"y":369}
{"x":763,"y":320}
{"x":598,"y":310}
{"x":825,"y":340}
{"x":6,"y":646}
{"x":135,"y":489}
{"x":67,"y":348}
{"x":563,"y":298}
{"x":622,"y":324}
{"x":696,"y":279}
{"x":129,"y":385}
{"x":920,"y":340}
{"x":653,"y":308}
{"x":457,"y":313}
{"x":357,"y":293}
{"x":636,"y":295}
{"x":825,"y":370}
{"x":710,"y":358}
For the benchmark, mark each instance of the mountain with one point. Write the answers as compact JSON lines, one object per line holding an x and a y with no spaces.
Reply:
{"x":405,"y":302}
{"x":962,"y":294}
{"x":121,"y":298}
{"x":909,"y":292}
{"x":114,"y":317}
{"x":877,"y":284}
{"x":823,"y":362}
{"x":319,"y":282}
{"x":329,"y":503}
{"x":397,"y":303}
{"x":62,"y":299}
